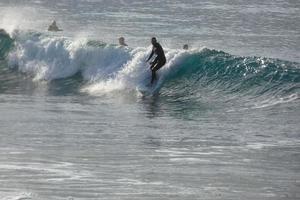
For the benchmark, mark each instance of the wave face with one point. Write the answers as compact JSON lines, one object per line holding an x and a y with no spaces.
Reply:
{"x":6,"y":44}
{"x":106,"y":68}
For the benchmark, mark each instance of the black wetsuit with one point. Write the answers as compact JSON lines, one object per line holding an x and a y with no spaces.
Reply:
{"x":159,"y":61}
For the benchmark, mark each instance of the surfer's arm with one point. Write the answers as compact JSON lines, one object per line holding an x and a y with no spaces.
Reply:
{"x":152,"y":52}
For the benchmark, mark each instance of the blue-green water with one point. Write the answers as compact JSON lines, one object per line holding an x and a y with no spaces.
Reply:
{"x":224,"y":123}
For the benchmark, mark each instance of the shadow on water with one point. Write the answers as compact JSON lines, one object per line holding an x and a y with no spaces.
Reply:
{"x":152,"y":106}
{"x":174,"y":106}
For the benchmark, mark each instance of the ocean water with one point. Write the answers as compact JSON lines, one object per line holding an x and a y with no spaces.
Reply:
{"x":223,"y":123}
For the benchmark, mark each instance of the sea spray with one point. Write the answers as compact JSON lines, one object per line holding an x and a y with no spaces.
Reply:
{"x":107,"y":68}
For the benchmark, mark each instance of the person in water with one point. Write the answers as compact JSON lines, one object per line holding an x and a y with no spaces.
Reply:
{"x":3,"y":32}
{"x":160,"y":59}
{"x":185,"y":47}
{"x":53,"y":27}
{"x":122,"y":41}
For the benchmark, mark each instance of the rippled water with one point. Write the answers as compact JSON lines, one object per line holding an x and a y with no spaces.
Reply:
{"x":86,"y":148}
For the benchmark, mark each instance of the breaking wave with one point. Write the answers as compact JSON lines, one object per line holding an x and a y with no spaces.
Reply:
{"x":105,"y":68}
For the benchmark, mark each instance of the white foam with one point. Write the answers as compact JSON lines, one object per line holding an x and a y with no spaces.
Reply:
{"x":16,"y":195}
{"x":275,"y":101}
{"x":45,"y":58}
{"x":136,"y":73}
{"x":107,"y":68}
{"x":48,"y":58}
{"x":128,"y":181}
{"x":190,"y":160}
{"x":62,"y":171}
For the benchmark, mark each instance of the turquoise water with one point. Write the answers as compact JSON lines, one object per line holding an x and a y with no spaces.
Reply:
{"x":224,"y":123}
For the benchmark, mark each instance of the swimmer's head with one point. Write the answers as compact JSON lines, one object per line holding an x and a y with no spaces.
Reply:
{"x":186,"y":47}
{"x":122,"y":41}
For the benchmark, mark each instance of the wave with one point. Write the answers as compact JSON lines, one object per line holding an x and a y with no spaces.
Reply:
{"x":6,"y":44}
{"x":106,"y":68}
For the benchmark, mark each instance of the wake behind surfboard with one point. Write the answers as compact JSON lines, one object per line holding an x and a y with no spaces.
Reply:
{"x":149,"y":89}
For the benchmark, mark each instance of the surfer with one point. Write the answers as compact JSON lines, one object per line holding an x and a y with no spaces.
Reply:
{"x":53,"y":27}
{"x":160,"y":59}
{"x":122,"y":41}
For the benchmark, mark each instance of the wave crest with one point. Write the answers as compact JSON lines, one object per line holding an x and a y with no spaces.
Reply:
{"x":107,"y":68}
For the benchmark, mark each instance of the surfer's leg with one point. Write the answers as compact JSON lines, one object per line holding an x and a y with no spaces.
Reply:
{"x":152,"y":66}
{"x":153,"y":76}
{"x":154,"y":69}
{"x":158,"y":65}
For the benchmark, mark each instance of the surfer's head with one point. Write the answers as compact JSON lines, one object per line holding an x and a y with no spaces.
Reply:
{"x":153,"y":40}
